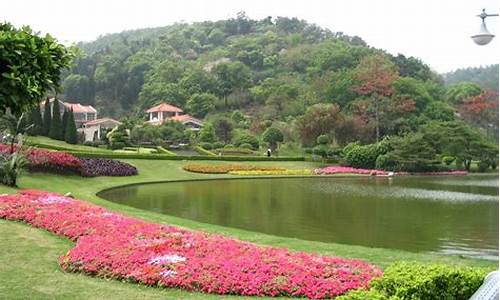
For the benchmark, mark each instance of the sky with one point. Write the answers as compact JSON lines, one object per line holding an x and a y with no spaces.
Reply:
{"x":436,"y":31}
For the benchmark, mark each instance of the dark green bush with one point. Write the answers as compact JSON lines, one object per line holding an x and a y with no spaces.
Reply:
{"x":206,"y":146}
{"x":218,"y":145}
{"x":363,"y":156}
{"x":321,"y":150}
{"x":229,"y":146}
{"x":448,"y":160}
{"x":247,"y":139}
{"x":322,"y":139}
{"x":406,"y":280}
{"x":246,"y":146}
{"x":482,"y":166}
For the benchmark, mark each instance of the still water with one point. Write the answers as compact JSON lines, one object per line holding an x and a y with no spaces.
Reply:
{"x":450,"y":215}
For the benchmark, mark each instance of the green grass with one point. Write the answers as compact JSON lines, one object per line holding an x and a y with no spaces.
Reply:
{"x":29,"y":256}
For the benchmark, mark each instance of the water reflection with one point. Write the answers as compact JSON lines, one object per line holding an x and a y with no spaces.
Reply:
{"x":453,"y":215}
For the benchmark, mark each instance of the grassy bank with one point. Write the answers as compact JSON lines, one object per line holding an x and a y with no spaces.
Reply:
{"x":29,"y":257}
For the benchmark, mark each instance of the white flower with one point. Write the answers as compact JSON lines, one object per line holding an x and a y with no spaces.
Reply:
{"x":166,"y":259}
{"x":50,"y":199}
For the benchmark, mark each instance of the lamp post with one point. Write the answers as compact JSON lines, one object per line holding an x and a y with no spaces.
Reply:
{"x":484,"y":36}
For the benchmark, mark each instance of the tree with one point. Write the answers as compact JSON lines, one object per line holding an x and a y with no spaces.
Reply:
{"x":207,"y":133}
{"x":319,"y":119}
{"x":64,"y":123}
{"x":272,"y":136}
{"x":201,"y":104}
{"x":36,"y":119}
{"x":376,"y":75}
{"x":55,"y":131}
{"x":462,"y":91}
{"x":232,"y":76}
{"x":118,"y":137}
{"x":224,"y":129}
{"x":70,"y":133}
{"x":481,"y":110}
{"x":30,"y":67}
{"x":47,"y":118}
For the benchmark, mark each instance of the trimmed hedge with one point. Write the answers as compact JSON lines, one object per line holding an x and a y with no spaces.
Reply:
{"x":165,"y":151}
{"x":411,"y":280}
{"x":203,"y":151}
{"x":182,"y":157}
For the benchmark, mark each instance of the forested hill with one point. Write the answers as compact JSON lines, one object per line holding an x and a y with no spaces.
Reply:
{"x":486,"y":77}
{"x":275,"y":66}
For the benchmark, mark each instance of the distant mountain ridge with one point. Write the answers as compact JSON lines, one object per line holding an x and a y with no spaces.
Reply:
{"x":485,"y":76}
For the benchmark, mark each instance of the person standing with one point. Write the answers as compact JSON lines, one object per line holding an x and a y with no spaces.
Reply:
{"x":268,"y":152}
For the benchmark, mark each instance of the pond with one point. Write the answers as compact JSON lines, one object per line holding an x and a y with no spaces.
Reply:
{"x":450,"y":215}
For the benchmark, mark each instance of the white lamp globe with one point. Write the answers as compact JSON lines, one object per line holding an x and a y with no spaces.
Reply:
{"x":484,"y":37}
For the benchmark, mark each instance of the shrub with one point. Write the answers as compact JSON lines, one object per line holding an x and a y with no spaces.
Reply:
{"x":448,"y":160}
{"x":418,"y":281}
{"x":203,"y":151}
{"x":364,"y":295}
{"x":206,"y":145}
{"x":229,"y":146}
{"x":92,"y":167}
{"x":273,"y":136}
{"x":247,"y":139}
{"x":246,"y":146}
{"x":218,"y":145}
{"x":482,"y":166}
{"x":11,"y":166}
{"x":322,"y":139}
{"x":321,"y":150}
{"x":362,"y":156}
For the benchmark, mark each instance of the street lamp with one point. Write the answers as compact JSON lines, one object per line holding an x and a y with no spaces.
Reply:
{"x":484,"y":36}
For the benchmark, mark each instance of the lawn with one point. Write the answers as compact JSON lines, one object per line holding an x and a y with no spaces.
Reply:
{"x":29,"y":257}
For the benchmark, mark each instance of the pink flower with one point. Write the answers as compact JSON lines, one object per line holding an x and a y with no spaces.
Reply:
{"x":112,"y":245}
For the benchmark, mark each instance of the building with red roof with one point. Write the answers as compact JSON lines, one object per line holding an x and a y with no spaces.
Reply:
{"x":163,"y":112}
{"x":82,"y":113}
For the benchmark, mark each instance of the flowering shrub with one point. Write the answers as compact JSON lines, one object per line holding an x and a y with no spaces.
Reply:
{"x":42,"y":160}
{"x":347,"y":170}
{"x":274,"y":172}
{"x":112,"y":245}
{"x":92,"y":167}
{"x":226,"y":168}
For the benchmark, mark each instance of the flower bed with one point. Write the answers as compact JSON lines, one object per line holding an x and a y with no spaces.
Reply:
{"x":347,"y":170}
{"x":226,"y":168}
{"x":112,"y":245}
{"x":42,"y":160}
{"x":273,"y":172}
{"x":92,"y":167}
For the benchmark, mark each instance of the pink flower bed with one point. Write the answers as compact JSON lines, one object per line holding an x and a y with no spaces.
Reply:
{"x":45,"y":160}
{"x":347,"y":170}
{"x":112,"y":245}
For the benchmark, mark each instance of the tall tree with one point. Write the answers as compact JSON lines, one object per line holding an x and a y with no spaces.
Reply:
{"x":319,"y":119}
{"x":70,"y":134}
{"x":64,"y":123}
{"x":47,"y":118}
{"x":376,"y":75}
{"x":36,"y":119}
{"x":224,"y":129}
{"x":55,"y":131}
